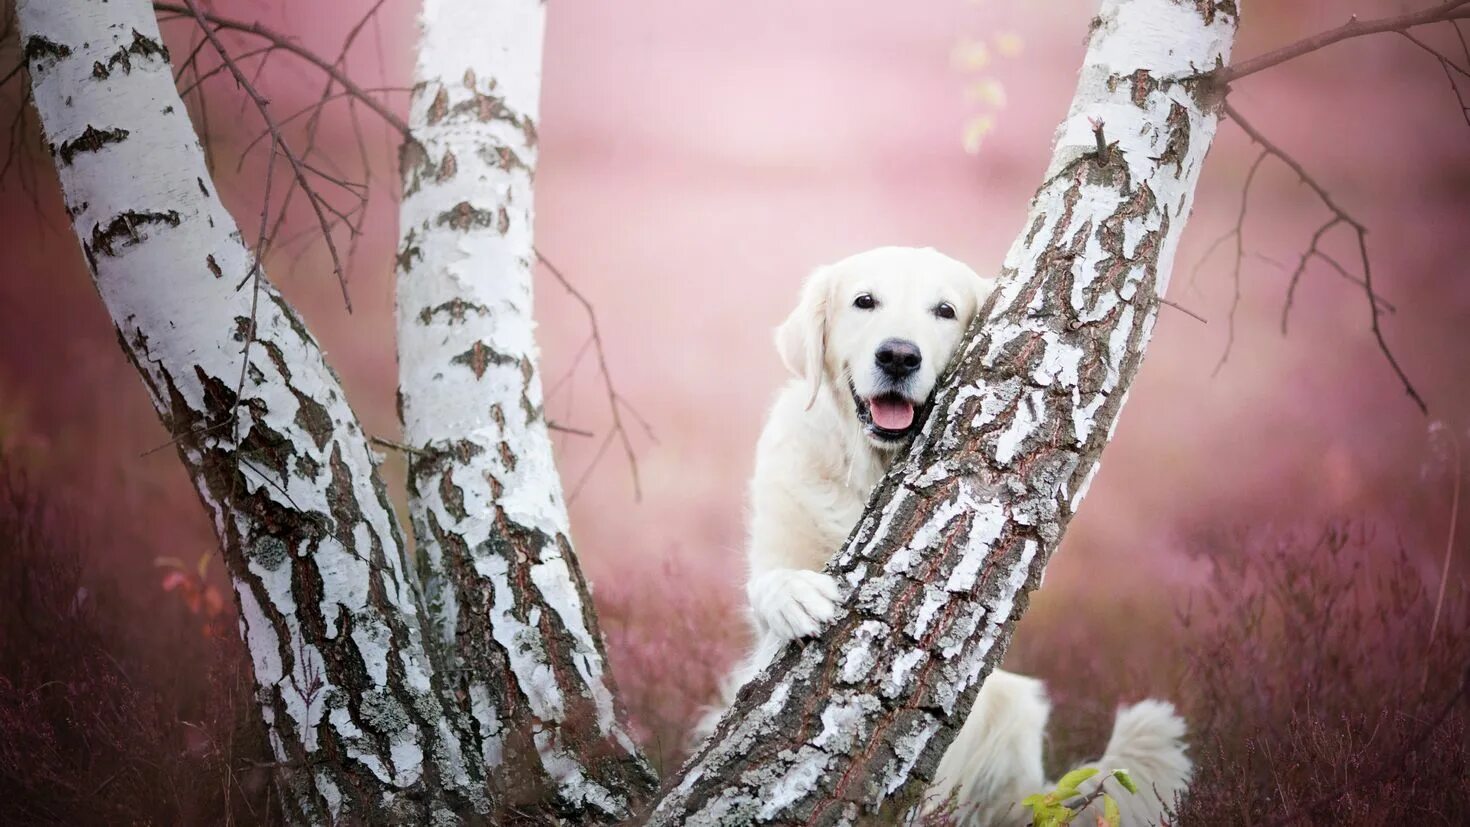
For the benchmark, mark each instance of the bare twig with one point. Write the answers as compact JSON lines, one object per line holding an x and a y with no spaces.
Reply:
{"x":1388,"y":307}
{"x":336,"y":75}
{"x":257,"y":267}
{"x":1182,"y":309}
{"x":1102,"y":142}
{"x":1301,"y":267}
{"x":1449,"y":66}
{"x":17,"y":143}
{"x":1340,"y":216}
{"x":1449,"y":11}
{"x":591,"y":466}
{"x":297,"y":166}
{"x":1449,"y":545}
{"x":1206,"y":256}
{"x":201,"y":77}
{"x":7,"y":31}
{"x":314,"y":110}
{"x":1314,"y":250}
{"x":174,"y":440}
{"x":1239,"y":235}
{"x":14,"y":72}
{"x":1455,"y":87}
{"x":314,"y":123}
{"x":397,"y":446}
{"x":571,"y":369}
{"x":287,"y":44}
{"x":22,"y":142}
{"x":567,"y":429}
{"x":615,"y":401}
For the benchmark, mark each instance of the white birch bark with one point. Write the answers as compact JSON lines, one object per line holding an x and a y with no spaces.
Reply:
{"x":850,"y":727}
{"x":327,"y":606}
{"x":502,"y":583}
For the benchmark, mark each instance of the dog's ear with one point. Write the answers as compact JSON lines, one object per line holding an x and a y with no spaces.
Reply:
{"x":983,"y":288}
{"x":801,"y":340}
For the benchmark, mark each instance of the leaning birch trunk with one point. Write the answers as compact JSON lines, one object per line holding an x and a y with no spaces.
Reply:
{"x":502,"y":582}
{"x":327,"y":607}
{"x":852,"y":725}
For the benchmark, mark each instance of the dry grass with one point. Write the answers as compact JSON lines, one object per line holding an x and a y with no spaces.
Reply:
{"x":114,"y":707}
{"x":1303,"y":666}
{"x":669,"y":646}
{"x":1315,"y":693}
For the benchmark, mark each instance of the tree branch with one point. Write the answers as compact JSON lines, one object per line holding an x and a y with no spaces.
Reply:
{"x":1238,"y":233}
{"x":1339,"y":216}
{"x":1449,"y":11}
{"x":615,"y":401}
{"x":298,"y":167}
{"x":285,"y":43}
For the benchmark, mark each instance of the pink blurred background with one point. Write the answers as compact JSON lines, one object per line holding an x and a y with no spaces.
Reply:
{"x":697,"y":159}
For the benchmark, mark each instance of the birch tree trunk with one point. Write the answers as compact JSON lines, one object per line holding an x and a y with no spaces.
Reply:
{"x":327,"y":606}
{"x":850,"y":727}
{"x":502,"y":582}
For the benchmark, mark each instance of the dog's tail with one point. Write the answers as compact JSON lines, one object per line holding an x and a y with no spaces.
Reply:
{"x":995,"y":759}
{"x":1148,"y":742}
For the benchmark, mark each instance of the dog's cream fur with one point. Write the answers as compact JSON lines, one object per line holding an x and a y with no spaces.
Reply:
{"x":818,"y":459}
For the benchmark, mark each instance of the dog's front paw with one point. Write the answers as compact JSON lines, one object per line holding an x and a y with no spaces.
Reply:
{"x":792,"y":603}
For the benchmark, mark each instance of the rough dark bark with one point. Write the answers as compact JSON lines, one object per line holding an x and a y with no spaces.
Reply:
{"x":843,"y":729}
{"x":848,"y":728}
{"x":328,"y":604}
{"x":501,"y":578}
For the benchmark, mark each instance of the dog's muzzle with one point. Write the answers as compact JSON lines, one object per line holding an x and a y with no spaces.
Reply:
{"x":888,"y":417}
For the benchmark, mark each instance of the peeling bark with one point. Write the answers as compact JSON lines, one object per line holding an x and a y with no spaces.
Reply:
{"x":501,"y":581}
{"x":850,"y":727}
{"x":328,"y":606}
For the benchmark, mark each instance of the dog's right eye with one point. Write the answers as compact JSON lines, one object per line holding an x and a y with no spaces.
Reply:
{"x":865,"y":301}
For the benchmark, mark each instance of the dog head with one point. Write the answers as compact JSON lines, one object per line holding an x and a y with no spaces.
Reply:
{"x":876,"y":330}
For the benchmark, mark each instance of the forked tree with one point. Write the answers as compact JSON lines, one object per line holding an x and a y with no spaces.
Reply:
{"x":472,"y":685}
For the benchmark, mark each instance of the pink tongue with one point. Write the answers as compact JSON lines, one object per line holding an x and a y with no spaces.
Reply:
{"x":892,"y":413}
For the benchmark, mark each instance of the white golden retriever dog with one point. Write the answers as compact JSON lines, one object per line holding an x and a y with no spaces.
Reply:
{"x":866,"y":344}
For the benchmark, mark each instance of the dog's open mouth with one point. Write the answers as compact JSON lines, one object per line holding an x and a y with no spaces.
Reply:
{"x":889,"y":417}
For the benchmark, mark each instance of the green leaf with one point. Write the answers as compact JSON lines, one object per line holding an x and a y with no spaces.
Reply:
{"x":1111,"y":816}
{"x":1126,"y":780}
{"x":1067,"y":787}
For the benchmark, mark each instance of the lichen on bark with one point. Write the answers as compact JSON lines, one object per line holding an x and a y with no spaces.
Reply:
{"x":501,"y":581}
{"x":328,"y":608}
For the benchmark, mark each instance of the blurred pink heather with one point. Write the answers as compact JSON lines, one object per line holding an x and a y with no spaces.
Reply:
{"x":696,"y":161}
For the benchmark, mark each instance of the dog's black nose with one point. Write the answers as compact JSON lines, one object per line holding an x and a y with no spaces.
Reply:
{"x":898,"y":357}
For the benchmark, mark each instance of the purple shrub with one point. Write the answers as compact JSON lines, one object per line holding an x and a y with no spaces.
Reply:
{"x":114,"y":708}
{"x":670,"y":640}
{"x":1314,"y":692}
{"x":1301,"y":661}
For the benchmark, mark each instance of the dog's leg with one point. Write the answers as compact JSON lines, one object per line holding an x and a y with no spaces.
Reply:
{"x":995,"y":760}
{"x":767,"y":646}
{"x":792,"y":603}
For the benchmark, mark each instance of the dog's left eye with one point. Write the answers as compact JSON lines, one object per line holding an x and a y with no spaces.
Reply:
{"x":944,"y":310}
